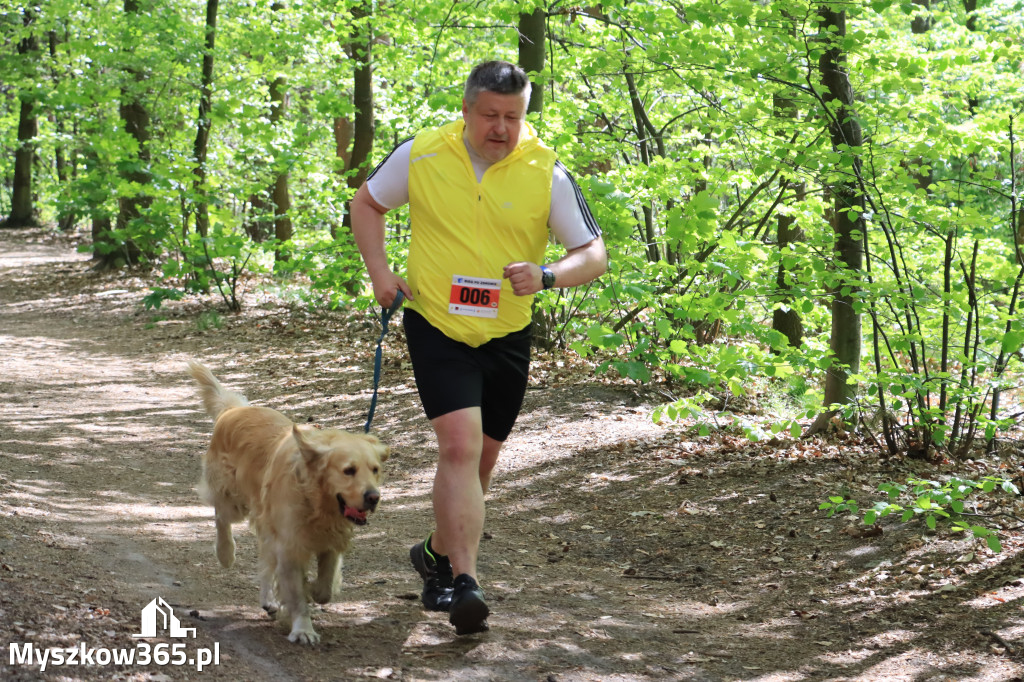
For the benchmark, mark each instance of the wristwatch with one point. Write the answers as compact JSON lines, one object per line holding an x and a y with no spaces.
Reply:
{"x":547,"y":278}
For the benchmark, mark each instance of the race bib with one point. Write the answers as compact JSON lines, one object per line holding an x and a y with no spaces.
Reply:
{"x":474,"y":296}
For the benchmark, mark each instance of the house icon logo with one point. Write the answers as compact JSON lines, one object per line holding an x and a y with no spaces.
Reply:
{"x":159,"y":611}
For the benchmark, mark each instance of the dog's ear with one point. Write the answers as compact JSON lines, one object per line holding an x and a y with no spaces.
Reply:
{"x":382,"y":451}
{"x":310,"y":451}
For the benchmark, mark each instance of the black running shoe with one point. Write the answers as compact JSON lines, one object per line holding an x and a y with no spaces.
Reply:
{"x":468,"y":612}
{"x":436,"y":572}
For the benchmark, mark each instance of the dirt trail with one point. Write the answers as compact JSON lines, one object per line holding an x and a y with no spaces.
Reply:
{"x":615,"y":549}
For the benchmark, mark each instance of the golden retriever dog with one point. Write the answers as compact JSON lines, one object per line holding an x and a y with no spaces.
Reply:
{"x":302,"y":489}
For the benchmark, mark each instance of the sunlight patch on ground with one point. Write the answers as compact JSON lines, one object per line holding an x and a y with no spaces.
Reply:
{"x":64,"y":540}
{"x":520,"y":475}
{"x":889,"y":638}
{"x":1003,"y":595}
{"x":564,"y":518}
{"x":914,"y":664}
{"x":775,"y":677}
{"x":423,"y":636}
{"x":424,"y":506}
{"x":849,"y":657}
{"x":597,"y":481}
{"x":37,"y":499}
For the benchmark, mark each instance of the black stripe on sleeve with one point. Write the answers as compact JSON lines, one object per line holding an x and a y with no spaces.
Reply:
{"x":385,"y":159}
{"x":588,"y":217}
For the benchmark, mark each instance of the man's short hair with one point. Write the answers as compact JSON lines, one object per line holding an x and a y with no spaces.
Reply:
{"x":496,"y":76}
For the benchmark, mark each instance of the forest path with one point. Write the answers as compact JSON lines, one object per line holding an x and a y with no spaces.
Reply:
{"x":615,"y":549}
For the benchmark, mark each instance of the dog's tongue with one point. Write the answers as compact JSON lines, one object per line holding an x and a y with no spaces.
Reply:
{"x":355,"y":514}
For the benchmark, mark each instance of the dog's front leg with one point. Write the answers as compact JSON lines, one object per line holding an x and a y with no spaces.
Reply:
{"x":328,"y":576}
{"x":291,"y":587}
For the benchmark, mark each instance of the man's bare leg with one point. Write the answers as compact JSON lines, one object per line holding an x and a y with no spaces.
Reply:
{"x":459,"y":511}
{"x":458,"y":494}
{"x":489,"y":457}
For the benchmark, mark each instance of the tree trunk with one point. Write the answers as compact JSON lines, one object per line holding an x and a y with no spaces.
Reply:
{"x":23,"y":212}
{"x":645,"y":133}
{"x":784,"y":319}
{"x":62,"y":165}
{"x":532,"y":47}
{"x":135,"y":118}
{"x":360,"y":131}
{"x":259,"y":228}
{"x":279,"y":196}
{"x":845,"y":340}
{"x":922,"y":23}
{"x":971,"y":7}
{"x":100,"y":233}
{"x":920,"y":167}
{"x":357,"y":131}
{"x":203,"y":124}
{"x":362,"y":97}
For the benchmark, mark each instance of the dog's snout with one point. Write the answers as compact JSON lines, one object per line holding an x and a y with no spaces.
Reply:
{"x":371,"y":498}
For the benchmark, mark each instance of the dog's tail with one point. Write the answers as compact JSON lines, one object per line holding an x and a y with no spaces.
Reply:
{"x":216,"y":398}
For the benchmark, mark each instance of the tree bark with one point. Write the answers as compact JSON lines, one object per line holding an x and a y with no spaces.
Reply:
{"x":532,"y":48}
{"x":203,"y":125}
{"x":971,"y":7}
{"x":923,"y":22}
{"x":645,"y":133}
{"x":344,"y":128}
{"x":63,"y":162}
{"x":362,"y":96}
{"x":279,"y":195}
{"x":849,"y":227}
{"x":23,"y":211}
{"x":135,"y":118}
{"x":360,"y":130}
{"x":280,"y":198}
{"x":784,"y":319}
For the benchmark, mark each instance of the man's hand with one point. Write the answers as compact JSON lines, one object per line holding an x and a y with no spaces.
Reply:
{"x":524,"y":277}
{"x":578,"y":266}
{"x":386,"y":286}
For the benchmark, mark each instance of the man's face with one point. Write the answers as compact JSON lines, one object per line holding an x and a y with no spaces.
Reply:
{"x":493,"y":124}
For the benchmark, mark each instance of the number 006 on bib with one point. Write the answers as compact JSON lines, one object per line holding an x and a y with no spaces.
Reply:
{"x":474,"y":296}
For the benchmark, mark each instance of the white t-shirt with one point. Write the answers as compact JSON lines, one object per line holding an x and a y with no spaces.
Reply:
{"x":569,"y":219}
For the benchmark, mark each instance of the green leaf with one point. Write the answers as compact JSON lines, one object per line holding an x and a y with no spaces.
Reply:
{"x":993,"y":543}
{"x":1012,"y":341}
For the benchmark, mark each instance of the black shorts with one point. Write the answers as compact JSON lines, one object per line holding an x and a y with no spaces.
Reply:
{"x":451,"y":375}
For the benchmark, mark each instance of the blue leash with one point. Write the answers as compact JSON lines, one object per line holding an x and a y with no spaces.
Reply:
{"x":385,"y":318}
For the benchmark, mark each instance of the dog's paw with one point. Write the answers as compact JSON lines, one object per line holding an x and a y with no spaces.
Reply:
{"x":322,"y":595}
{"x":302,"y":636}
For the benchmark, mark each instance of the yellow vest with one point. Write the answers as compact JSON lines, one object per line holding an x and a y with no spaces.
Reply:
{"x":469,"y":229}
